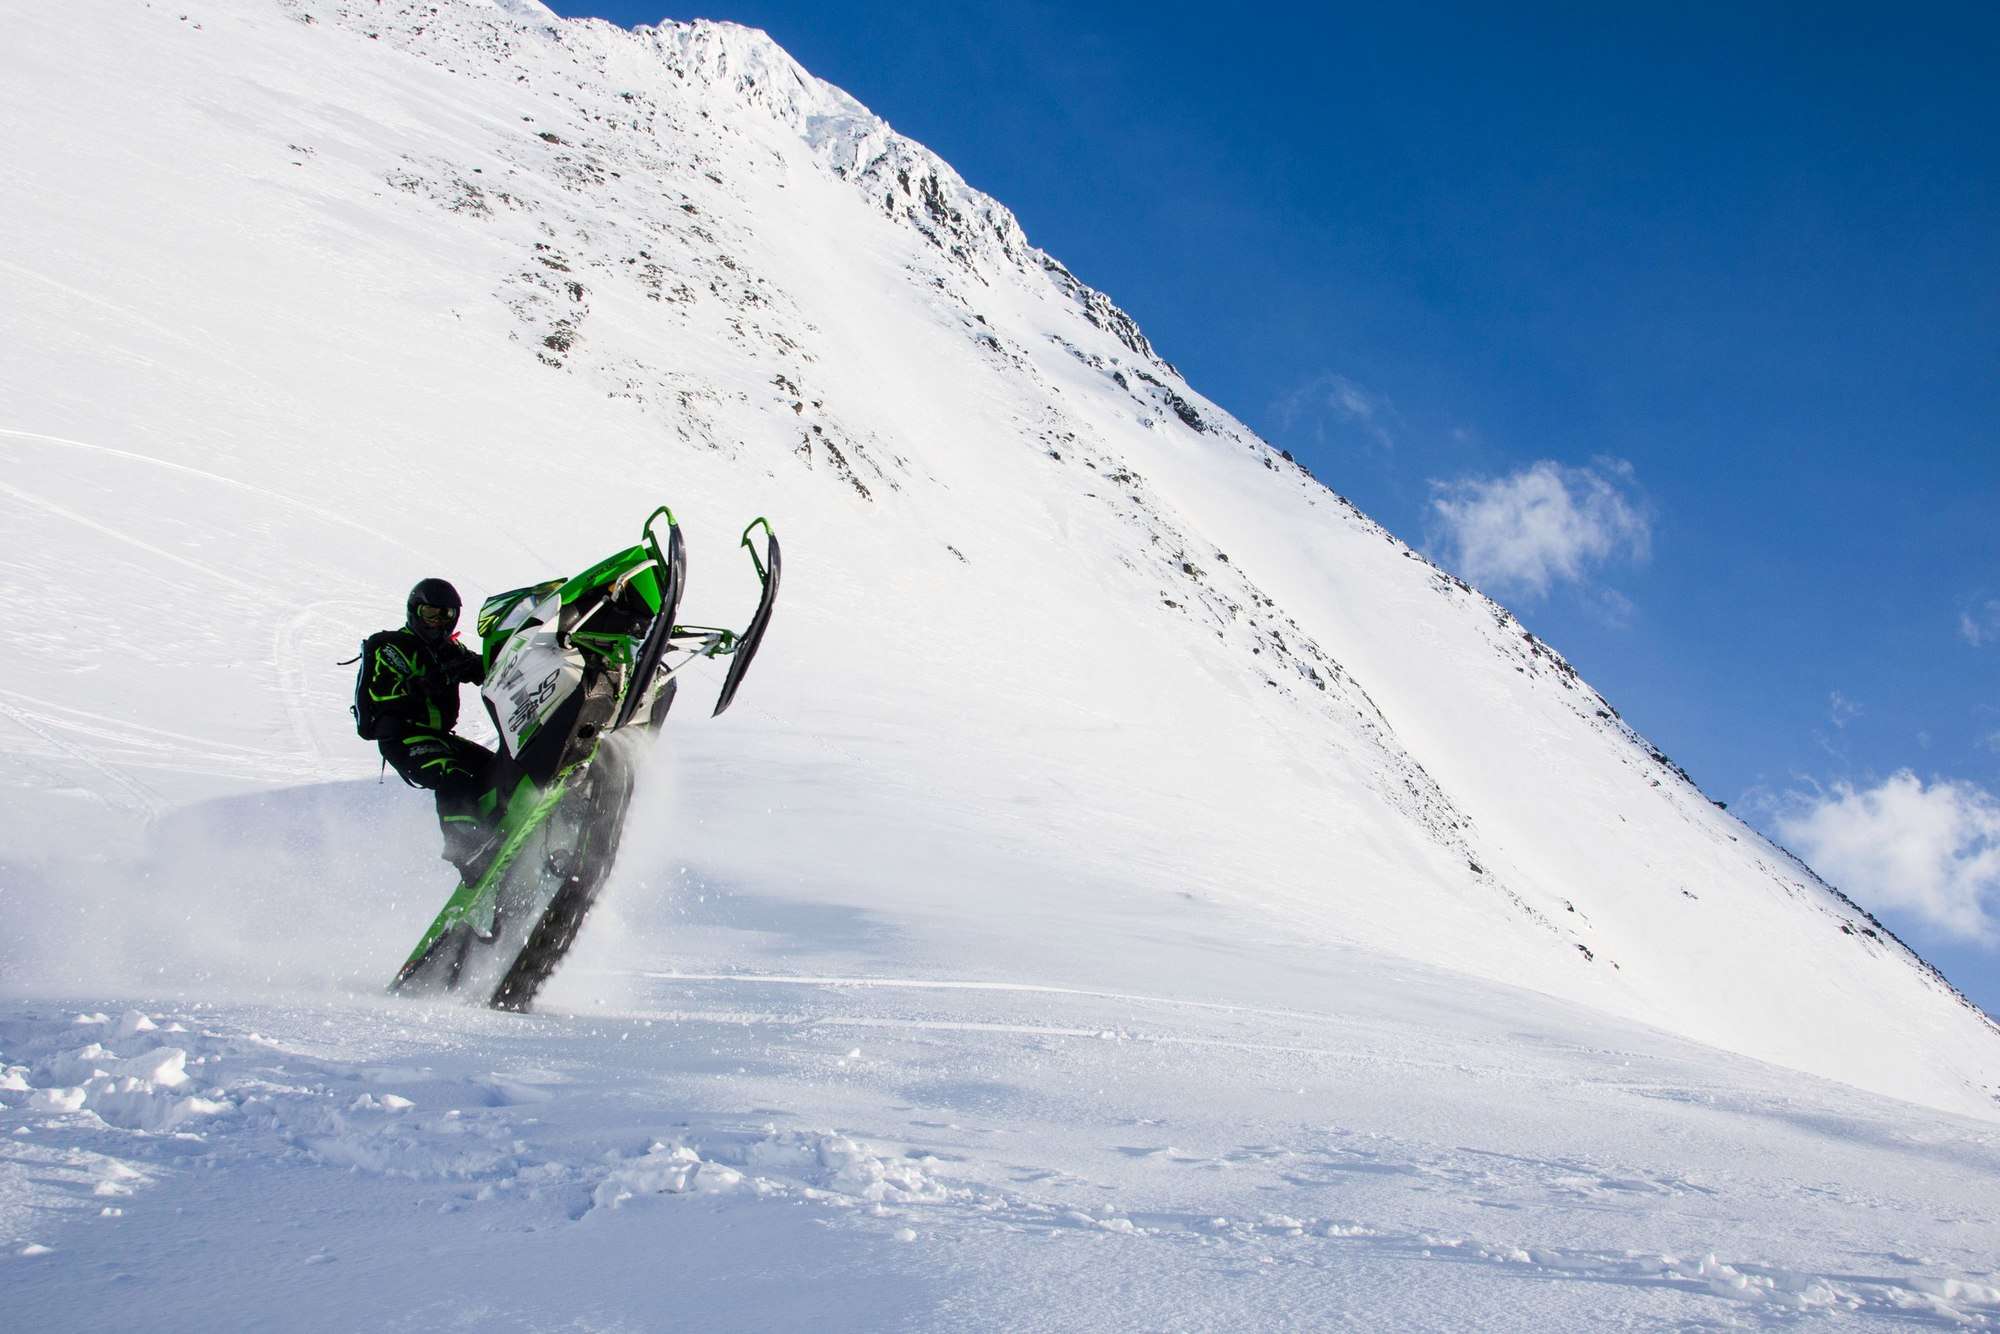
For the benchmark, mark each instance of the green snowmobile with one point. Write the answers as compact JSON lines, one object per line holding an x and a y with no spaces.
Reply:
{"x":578,"y":673}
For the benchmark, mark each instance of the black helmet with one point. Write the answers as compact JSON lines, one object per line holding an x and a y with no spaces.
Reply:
{"x":432,"y":610}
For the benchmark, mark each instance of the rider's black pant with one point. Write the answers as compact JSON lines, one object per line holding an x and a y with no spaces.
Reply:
{"x":455,"y":769}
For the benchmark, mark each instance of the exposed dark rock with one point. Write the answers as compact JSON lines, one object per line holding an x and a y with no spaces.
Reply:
{"x":1185,"y":411}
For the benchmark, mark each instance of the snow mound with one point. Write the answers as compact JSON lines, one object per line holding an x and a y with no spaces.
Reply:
{"x":143,"y":1091}
{"x":822,"y":1166}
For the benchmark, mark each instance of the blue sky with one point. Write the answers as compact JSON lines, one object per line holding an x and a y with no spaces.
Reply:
{"x":1678,"y":330}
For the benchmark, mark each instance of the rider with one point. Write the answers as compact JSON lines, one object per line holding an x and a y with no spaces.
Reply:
{"x":407,"y":702}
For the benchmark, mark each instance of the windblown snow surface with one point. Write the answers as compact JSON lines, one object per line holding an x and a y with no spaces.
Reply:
{"x":1133,"y":891}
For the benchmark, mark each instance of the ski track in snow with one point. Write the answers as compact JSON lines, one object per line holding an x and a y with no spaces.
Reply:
{"x":112,"y":747}
{"x":106,"y":744}
{"x":631,"y":1126}
{"x":208,"y":571}
{"x":307,"y":707}
{"x":319,"y":512}
{"x":125,"y":314}
{"x":127,"y":791}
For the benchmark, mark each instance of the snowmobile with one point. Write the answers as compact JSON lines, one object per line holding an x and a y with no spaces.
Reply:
{"x":580,"y":672}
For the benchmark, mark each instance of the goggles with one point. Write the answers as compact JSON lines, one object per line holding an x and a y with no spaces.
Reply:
{"x":437,"y":616}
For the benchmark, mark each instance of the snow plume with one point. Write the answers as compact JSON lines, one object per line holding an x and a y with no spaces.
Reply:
{"x":631,"y":927}
{"x":1544,"y":525}
{"x":318,"y":889}
{"x":1930,"y":851}
{"x":301,"y":889}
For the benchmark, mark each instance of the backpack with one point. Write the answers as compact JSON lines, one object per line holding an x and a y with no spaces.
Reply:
{"x":367,"y":717}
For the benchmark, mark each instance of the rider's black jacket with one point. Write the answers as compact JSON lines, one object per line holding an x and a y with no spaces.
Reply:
{"x":409,"y":687}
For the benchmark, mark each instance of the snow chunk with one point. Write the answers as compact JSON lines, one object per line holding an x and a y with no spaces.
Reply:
{"x":56,"y":1100}
{"x":664,"y":1170}
{"x":387,"y":1102}
{"x":1957,"y":1290}
{"x":134,"y":1022}
{"x":134,"y":1093}
{"x":715,"y":1179}
{"x":856,"y":1171}
{"x":164,"y":1067}
{"x":827,"y":1167}
{"x":84,"y":1063}
{"x":1778,"y":1287}
{"x":134,"y":1105}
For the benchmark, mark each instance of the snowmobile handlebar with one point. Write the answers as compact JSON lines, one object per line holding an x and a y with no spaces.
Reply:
{"x":763,"y":575}
{"x":646,"y":529}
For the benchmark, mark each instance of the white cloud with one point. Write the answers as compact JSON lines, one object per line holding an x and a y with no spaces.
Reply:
{"x":1330,"y":399}
{"x":1543,"y":525}
{"x":1980,"y":625}
{"x":1840,"y":710}
{"x":1932,"y":852}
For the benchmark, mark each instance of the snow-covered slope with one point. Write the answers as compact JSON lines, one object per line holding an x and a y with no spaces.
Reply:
{"x":303,"y":298}
{"x":1130,"y":872}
